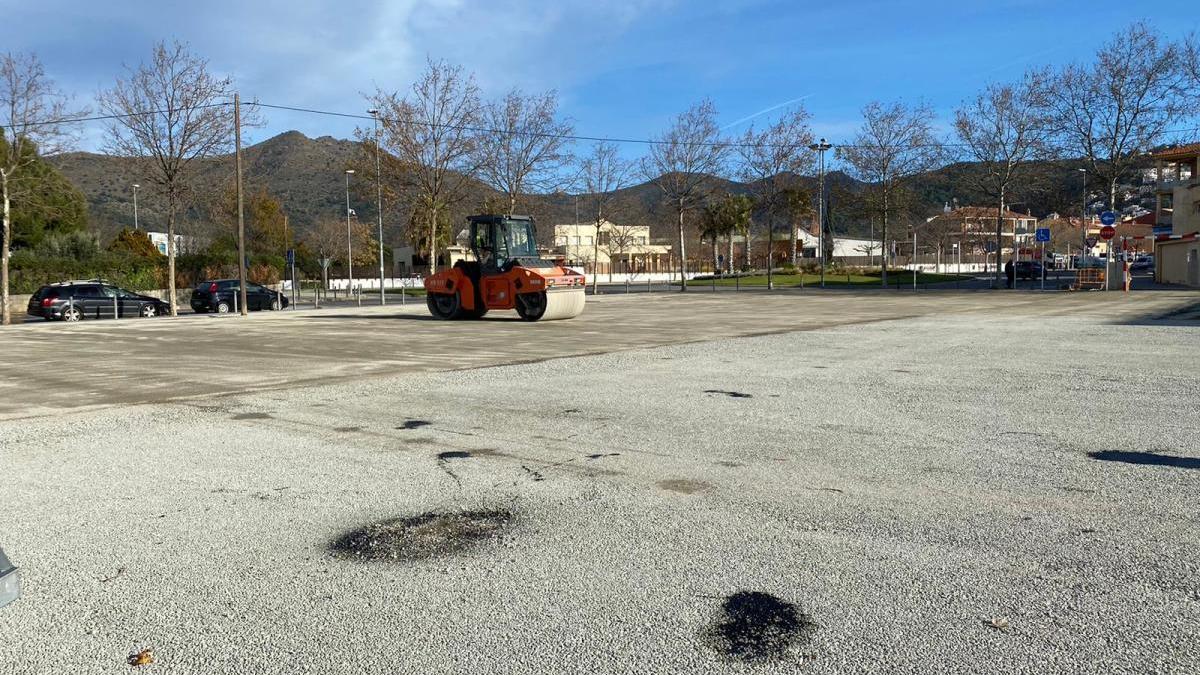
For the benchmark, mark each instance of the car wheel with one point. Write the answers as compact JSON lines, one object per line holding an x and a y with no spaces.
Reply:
{"x":275,"y":306}
{"x":149,"y":311}
{"x":222,"y":307}
{"x":72,"y":314}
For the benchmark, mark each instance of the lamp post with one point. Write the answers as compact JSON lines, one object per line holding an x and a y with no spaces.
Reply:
{"x":374,"y":112}
{"x":1083,"y":216}
{"x":820,"y":147}
{"x":135,"y":221}
{"x":349,"y":237}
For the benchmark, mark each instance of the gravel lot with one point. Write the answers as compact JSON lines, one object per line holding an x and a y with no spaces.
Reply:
{"x":911,"y":495}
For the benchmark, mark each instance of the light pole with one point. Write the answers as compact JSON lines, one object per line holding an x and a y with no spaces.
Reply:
{"x":1083,"y":216}
{"x":820,"y":147}
{"x":374,"y":112}
{"x":135,"y":222}
{"x":349,"y":238}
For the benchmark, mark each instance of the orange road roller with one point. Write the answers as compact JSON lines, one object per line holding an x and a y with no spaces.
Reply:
{"x":507,"y":273}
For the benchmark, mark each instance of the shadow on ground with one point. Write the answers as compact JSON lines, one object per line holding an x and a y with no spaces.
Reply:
{"x":1149,"y":458}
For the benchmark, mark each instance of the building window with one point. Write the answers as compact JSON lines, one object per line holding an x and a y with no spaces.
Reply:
{"x":560,"y":240}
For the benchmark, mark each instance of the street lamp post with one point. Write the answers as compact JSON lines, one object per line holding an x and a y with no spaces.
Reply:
{"x":820,"y":147}
{"x":349,"y":237}
{"x":1083,"y":216}
{"x":374,"y":112}
{"x":135,"y":220}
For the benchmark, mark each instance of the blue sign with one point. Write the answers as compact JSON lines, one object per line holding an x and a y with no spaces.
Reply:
{"x":1043,"y":234}
{"x":291,"y":256}
{"x":1108,"y":217}
{"x":990,"y":247}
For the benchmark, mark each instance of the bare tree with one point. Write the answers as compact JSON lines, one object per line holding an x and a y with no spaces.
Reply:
{"x":1003,"y":128}
{"x":173,"y":111}
{"x":1112,"y":111}
{"x":772,"y":160}
{"x":895,"y":143}
{"x":35,"y":122}
{"x":327,"y":239}
{"x":682,"y":161}
{"x":433,"y":134}
{"x":525,"y":147}
{"x":603,"y":173}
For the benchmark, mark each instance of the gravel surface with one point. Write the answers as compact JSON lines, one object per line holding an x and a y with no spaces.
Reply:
{"x":906,"y":496}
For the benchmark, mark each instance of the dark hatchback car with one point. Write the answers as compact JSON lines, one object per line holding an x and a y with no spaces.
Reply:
{"x":221,"y":296}
{"x":1029,"y":269}
{"x":78,"y":300}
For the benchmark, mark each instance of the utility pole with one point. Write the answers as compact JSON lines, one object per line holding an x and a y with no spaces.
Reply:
{"x":237,"y":135}
{"x":820,"y":147}
{"x":349,"y":237}
{"x":135,"y":219}
{"x":379,"y":204}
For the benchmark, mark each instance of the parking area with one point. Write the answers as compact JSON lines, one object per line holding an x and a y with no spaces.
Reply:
{"x":817,"y":482}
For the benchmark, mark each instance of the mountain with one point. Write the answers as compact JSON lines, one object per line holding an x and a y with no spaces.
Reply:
{"x":307,"y":174}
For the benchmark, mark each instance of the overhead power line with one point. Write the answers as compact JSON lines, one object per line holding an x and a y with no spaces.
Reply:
{"x":482,"y":130}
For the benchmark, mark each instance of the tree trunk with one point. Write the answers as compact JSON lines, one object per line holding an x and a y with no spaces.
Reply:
{"x":5,"y":314}
{"x":682,"y":253}
{"x":795,"y":237}
{"x":999,"y":228}
{"x":770,"y":253}
{"x":729,"y":259}
{"x":883,"y":258}
{"x":716,"y":263}
{"x":432,"y":241}
{"x":171,"y":251}
{"x":596,"y":259}
{"x":746,"y":247}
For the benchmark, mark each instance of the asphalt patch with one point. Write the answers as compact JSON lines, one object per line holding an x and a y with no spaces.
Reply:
{"x":759,"y":627}
{"x":682,"y":486}
{"x":604,"y":454}
{"x":414,"y":424}
{"x":730,"y":394}
{"x":347,"y":430}
{"x":1147,"y":458}
{"x":453,"y":454}
{"x":428,"y":535}
{"x":252,"y":416}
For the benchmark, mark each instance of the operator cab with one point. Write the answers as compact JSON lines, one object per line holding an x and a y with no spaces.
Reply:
{"x":499,"y":242}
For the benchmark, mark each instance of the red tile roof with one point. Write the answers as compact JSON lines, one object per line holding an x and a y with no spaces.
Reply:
{"x":1179,"y":152}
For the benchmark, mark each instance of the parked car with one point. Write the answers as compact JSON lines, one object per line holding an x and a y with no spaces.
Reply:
{"x":1143,"y":264}
{"x":222,"y":296}
{"x":92,"y":299}
{"x":1029,"y":269}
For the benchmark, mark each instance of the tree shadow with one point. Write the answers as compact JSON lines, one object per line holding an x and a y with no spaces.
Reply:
{"x":1148,"y":458}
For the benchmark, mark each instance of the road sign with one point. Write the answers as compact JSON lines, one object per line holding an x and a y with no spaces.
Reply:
{"x":1108,"y":218}
{"x":1108,"y":232}
{"x":1091,"y":242}
{"x":291,"y":256}
{"x":1043,"y":234}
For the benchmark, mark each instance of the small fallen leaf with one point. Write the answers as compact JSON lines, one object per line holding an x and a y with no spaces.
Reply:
{"x":1000,"y":623}
{"x":142,"y":658}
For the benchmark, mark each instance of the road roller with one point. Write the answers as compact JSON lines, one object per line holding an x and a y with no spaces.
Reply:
{"x":506,"y":273}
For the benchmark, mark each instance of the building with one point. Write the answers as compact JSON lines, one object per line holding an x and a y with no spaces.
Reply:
{"x":183,"y":244}
{"x":973,"y":227}
{"x":620,"y":249}
{"x":1177,"y":216}
{"x":1178,"y":192}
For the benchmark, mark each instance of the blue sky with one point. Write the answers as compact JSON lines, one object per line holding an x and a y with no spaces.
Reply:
{"x":621,"y":68}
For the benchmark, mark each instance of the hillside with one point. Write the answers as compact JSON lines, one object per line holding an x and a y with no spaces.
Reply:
{"x":307,"y":175}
